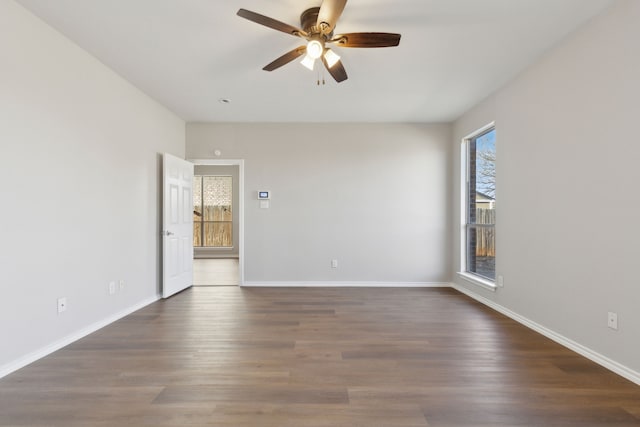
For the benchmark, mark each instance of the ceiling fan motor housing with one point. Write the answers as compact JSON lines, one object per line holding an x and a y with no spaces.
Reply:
{"x":309,"y":21}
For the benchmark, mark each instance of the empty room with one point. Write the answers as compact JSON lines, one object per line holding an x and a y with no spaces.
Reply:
{"x":319,"y":213}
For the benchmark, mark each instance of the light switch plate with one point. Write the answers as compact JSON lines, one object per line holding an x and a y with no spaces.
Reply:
{"x":62,"y":305}
{"x":612,"y":320}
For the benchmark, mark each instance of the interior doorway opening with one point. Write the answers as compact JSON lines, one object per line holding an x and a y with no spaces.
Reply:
{"x":219,"y":220}
{"x":215,"y":211}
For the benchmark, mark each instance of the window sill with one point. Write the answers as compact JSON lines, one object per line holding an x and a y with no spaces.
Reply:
{"x":479,"y":281}
{"x":213,"y":248}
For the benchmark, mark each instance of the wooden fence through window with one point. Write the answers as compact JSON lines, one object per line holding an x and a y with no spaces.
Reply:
{"x":218,"y":227}
{"x":486,"y":236}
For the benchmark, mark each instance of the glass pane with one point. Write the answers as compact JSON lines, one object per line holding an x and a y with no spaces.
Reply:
{"x":197,"y":233}
{"x":481,"y":206}
{"x":482,"y":179}
{"x":227,"y":214}
{"x":197,"y":198}
{"x":217,"y":211}
{"x":486,"y":164}
{"x":217,"y":190}
{"x":218,"y":234}
{"x":197,"y":211}
{"x":225,"y":231}
{"x":481,"y":251}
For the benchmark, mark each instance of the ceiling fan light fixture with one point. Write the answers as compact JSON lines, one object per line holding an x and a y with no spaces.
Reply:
{"x":331,"y":57}
{"x":319,"y":23}
{"x":308,"y":62}
{"x":314,"y":49}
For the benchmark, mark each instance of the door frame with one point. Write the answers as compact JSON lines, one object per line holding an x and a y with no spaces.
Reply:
{"x":240,"y":164}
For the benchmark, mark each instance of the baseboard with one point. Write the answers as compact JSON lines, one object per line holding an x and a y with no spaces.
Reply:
{"x":293,"y":284}
{"x":590,"y":354}
{"x":57,"y":345}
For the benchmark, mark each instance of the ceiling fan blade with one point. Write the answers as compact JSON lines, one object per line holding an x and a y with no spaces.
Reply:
{"x":337,"y":71}
{"x":286,"y":58}
{"x":367,"y":40}
{"x":330,"y":11}
{"x":271,"y":23}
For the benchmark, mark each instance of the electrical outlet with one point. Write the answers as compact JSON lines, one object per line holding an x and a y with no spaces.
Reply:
{"x":121,"y":284}
{"x":500,"y":281}
{"x":112,"y":288}
{"x":62,"y":304}
{"x":612,"y":320}
{"x":334,"y":263}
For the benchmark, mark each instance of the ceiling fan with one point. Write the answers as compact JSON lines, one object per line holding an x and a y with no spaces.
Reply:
{"x":317,"y":25}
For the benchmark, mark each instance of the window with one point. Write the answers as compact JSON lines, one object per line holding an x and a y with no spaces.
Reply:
{"x":212,"y":211}
{"x":479,"y":207}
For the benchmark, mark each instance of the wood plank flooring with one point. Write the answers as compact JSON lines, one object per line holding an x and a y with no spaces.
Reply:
{"x":230,"y":356}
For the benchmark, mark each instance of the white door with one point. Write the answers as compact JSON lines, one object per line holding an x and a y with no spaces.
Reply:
{"x":177,"y":225}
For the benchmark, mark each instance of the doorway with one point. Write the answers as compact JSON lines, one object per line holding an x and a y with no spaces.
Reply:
{"x":215,"y":272}
{"x":221,"y":265}
{"x":215,"y":211}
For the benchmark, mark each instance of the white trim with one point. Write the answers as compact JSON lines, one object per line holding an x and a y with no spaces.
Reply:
{"x":57,"y":345}
{"x":464,"y":197}
{"x":318,"y":284}
{"x":590,"y":354}
{"x":240,"y":164}
{"x":464,"y":189}
{"x":479,"y":131}
{"x":477,"y":280}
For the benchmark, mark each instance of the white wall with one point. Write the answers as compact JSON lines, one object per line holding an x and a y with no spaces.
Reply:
{"x":567,"y":176}
{"x":79,"y":183}
{"x":373,"y":196}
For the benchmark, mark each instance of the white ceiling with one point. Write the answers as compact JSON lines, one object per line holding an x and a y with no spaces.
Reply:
{"x":188,"y":54}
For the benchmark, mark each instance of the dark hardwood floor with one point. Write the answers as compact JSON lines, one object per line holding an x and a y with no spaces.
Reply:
{"x":227,"y":356}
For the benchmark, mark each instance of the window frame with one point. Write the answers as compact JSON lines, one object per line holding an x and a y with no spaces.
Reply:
{"x":465,"y":175}
{"x":202,"y":221}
